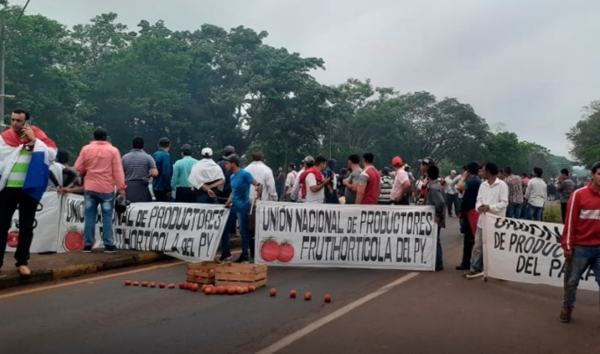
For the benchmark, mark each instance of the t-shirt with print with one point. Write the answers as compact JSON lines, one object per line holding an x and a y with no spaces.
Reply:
{"x":240,"y":188}
{"x":351,"y":195}
{"x":470,"y":197}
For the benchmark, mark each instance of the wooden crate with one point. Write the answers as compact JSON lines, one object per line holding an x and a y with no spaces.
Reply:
{"x":234,"y":274}
{"x":202,"y":273}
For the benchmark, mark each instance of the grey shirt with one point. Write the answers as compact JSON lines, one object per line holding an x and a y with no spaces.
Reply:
{"x":437,"y":198}
{"x":350,"y":195}
{"x":137,"y":165}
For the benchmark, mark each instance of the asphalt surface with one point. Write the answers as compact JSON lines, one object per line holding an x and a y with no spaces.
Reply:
{"x":430,"y":313}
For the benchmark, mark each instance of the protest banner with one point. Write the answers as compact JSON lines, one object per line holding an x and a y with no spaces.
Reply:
{"x":191,"y":232}
{"x":45,"y":226}
{"x":527,"y":252}
{"x":349,"y":236}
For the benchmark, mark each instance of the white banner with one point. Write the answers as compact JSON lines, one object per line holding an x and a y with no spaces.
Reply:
{"x":349,"y":236}
{"x":526,"y":251}
{"x":45,"y":226}
{"x":191,"y":232}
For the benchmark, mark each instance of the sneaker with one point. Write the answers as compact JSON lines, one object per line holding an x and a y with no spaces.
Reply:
{"x":462,"y":267}
{"x":87,"y":249}
{"x":242,"y":259}
{"x":24,"y":271}
{"x":110,"y":249}
{"x":473,"y":275}
{"x":224,"y":258}
{"x":565,"y":314}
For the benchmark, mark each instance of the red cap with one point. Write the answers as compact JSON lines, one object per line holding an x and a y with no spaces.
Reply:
{"x":397,"y":161}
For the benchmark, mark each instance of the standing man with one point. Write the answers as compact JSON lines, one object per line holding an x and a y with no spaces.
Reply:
{"x":386,"y":187}
{"x":566,"y":187}
{"x":469,"y":186}
{"x":263,"y":175}
{"x":426,"y":162}
{"x":581,"y":239}
{"x":402,"y":187}
{"x":206,"y":177}
{"x":280,"y":182}
{"x":351,"y":183}
{"x":100,"y":163}
{"x":289,"y":182}
{"x":138,"y":167}
{"x":369,"y":182}
{"x":25,"y":155}
{"x":161,"y":184}
{"x":224,"y":193}
{"x":181,"y":173}
{"x":515,"y":194}
{"x":312,"y":181}
{"x":239,"y":202}
{"x":537,"y":192}
{"x":437,"y":199}
{"x":492,"y":198}
{"x":331,"y":196}
{"x":451,"y":196}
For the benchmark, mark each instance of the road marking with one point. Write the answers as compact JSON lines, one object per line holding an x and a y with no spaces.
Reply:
{"x":82,"y":281}
{"x":284,"y":342}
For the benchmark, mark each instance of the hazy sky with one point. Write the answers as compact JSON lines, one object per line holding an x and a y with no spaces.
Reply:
{"x":531,"y":65}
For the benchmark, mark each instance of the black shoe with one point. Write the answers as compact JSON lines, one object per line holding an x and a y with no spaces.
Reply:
{"x":242,"y":260}
{"x":110,"y":249}
{"x":462,"y":267}
{"x":439,"y":269}
{"x":224,"y":258}
{"x":87,"y":249}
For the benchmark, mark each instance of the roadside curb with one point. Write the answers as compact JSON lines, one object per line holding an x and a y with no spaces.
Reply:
{"x":116,"y":261}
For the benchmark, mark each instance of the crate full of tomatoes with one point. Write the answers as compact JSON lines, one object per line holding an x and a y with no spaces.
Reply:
{"x":202,"y":273}
{"x":242,"y":275}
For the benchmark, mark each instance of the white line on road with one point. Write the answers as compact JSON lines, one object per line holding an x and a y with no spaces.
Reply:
{"x":284,"y":342}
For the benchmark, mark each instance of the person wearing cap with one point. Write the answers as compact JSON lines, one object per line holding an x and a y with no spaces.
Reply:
{"x":295,"y":195}
{"x":402,"y":186}
{"x":451,"y":196}
{"x":240,"y":203}
{"x":386,"y":187}
{"x":312,"y":181}
{"x":264,"y":175}
{"x":369,"y":182}
{"x":181,"y":173}
{"x":290,"y":179}
{"x":351,"y":183}
{"x":161,"y":184}
{"x":139,"y":167}
{"x":206,"y":176}
{"x":581,"y":239}
{"x":223,"y":194}
{"x":426,"y":162}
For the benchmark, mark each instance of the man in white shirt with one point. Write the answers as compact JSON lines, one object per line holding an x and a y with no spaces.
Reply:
{"x":536,"y":194}
{"x":492,"y":198}
{"x":312,"y":181}
{"x":290,"y":179}
{"x":295,"y":195}
{"x":451,"y":196}
{"x":263,"y":175}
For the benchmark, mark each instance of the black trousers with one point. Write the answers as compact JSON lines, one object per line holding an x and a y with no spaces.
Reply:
{"x":452,"y":201}
{"x":184,"y":195}
{"x":161,"y":196}
{"x":563,"y":211}
{"x":469,"y":241}
{"x":10,"y":200}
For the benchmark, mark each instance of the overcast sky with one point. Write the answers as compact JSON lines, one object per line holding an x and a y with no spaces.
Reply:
{"x":531,"y":65}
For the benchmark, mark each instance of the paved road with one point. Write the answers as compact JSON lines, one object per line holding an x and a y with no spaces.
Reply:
{"x":441,"y":313}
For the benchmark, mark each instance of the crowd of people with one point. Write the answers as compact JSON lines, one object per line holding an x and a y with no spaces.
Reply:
{"x":31,"y":164}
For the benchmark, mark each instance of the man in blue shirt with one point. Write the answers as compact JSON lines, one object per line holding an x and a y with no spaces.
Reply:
{"x":162,"y":183}
{"x":181,"y":173}
{"x":469,"y":185}
{"x":239,"y":202}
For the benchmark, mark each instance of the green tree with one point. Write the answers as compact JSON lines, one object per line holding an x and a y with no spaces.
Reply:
{"x":584,"y":136}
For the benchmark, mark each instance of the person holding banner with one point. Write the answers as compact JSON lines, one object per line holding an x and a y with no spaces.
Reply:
{"x":437,"y":198}
{"x":469,"y":186}
{"x":492,"y":198}
{"x":402,"y":186}
{"x":369,"y":182}
{"x":240,"y":204}
{"x":25,"y":156}
{"x":581,"y":240}
{"x":206,"y":177}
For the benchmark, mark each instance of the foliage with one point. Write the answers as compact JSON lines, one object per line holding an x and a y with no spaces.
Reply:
{"x":552,"y":213}
{"x":584,"y":136}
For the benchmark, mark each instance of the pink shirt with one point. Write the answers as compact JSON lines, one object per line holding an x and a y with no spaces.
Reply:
{"x":401,"y":178}
{"x":100,"y":163}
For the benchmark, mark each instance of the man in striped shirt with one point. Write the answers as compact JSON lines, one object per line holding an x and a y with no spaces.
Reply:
{"x":139,"y":167}
{"x":26,"y":153}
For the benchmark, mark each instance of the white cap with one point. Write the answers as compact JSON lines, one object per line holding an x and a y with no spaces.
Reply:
{"x":207,"y":152}
{"x":453,"y":171}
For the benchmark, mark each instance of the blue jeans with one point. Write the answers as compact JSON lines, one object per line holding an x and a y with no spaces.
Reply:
{"x":524,"y":211}
{"x":534,"y":213}
{"x":477,"y":254}
{"x":439,"y":258}
{"x":584,"y":257}
{"x":237,"y":213}
{"x":203,"y":198}
{"x":107,"y":204}
{"x":514,"y":210}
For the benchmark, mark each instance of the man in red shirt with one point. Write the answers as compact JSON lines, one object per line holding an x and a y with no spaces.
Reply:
{"x":581,"y":239}
{"x":369,"y":182}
